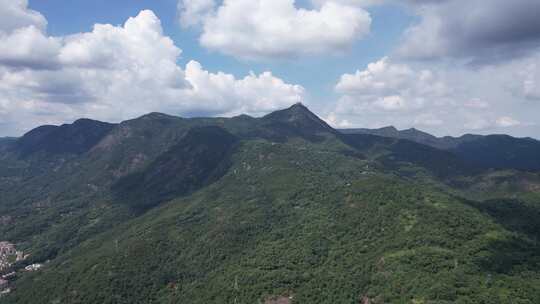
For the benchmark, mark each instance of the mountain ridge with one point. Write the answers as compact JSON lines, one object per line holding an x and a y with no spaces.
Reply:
{"x":497,"y":150}
{"x":75,"y":138}
{"x":388,"y":131}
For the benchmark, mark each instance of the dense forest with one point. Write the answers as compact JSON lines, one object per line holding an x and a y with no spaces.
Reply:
{"x":162,"y":209}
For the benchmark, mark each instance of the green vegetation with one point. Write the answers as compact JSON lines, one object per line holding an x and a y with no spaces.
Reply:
{"x":242,"y":210}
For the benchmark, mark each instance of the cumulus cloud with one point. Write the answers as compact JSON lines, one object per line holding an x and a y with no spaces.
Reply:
{"x":479,"y":31}
{"x":118,"y":72}
{"x":15,"y":15}
{"x":140,"y":42}
{"x":390,"y":86}
{"x":259,"y":29}
{"x":439,"y":99}
{"x":254,"y":94}
{"x":28,"y":47}
{"x":390,"y":103}
{"x":386,"y":93}
{"x":194,"y":12}
{"x":22,"y":38}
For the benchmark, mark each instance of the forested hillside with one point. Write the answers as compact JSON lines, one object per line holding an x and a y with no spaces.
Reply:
{"x":278,"y":209}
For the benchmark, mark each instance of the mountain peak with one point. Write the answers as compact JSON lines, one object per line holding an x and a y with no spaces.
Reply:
{"x":300,"y":109}
{"x":388,"y":130}
{"x":295,"y":111}
{"x":157,"y":115}
{"x":300,"y":117}
{"x":392,"y":128}
{"x":299,"y":105}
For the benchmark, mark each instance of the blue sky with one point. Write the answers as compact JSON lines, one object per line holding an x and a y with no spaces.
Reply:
{"x":67,"y":17}
{"x":444,"y":67}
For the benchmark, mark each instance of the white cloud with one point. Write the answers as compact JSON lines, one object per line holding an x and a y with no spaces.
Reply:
{"x":22,"y":38}
{"x":390,"y":103}
{"x":443,"y":99}
{"x":390,"y":93}
{"x":15,"y":15}
{"x":260,"y":29}
{"x":506,"y":122}
{"x":254,"y":94}
{"x":194,"y":12}
{"x":380,"y":76}
{"x":140,"y":42}
{"x":390,"y":86}
{"x":337,"y":122}
{"x":119,"y":72}
{"x":483,"y":73}
{"x":479,"y":32}
{"x":28,"y":47}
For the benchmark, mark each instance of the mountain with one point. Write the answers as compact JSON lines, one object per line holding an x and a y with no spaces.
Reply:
{"x":297,"y":120}
{"x":277,"y":209}
{"x":443,"y":143}
{"x":492,"y":151}
{"x":6,"y":142}
{"x":502,"y":152}
{"x":75,"y":138}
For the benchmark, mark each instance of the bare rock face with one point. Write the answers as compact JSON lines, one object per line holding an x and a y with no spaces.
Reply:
{"x":365,"y":300}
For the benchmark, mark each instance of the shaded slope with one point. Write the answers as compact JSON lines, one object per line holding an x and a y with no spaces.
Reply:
{"x":443,"y":143}
{"x":196,"y":160}
{"x":492,"y":151}
{"x":76,"y":138}
{"x":6,"y":144}
{"x":395,"y":153}
{"x":502,"y":152}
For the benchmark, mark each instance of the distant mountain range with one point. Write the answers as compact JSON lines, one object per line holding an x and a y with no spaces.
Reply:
{"x":277,"y":209}
{"x":495,"y":151}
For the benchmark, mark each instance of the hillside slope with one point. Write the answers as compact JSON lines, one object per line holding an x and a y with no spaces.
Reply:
{"x":297,"y":219}
{"x":250,"y":210}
